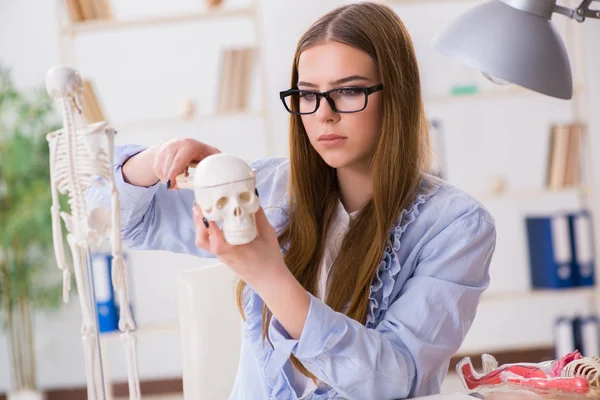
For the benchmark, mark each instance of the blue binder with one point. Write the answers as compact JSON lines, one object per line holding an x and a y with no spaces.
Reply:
{"x":107,"y":304}
{"x":564,"y":336}
{"x":550,"y":251}
{"x":587,"y":335}
{"x":108,"y":315}
{"x":582,"y":247}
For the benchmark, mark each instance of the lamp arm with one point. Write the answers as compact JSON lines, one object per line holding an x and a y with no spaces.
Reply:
{"x":581,"y":13}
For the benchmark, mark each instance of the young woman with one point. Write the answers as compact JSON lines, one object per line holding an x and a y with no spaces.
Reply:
{"x":366,"y":273}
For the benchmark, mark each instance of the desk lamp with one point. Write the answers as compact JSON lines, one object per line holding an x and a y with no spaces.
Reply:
{"x":513,"y":41}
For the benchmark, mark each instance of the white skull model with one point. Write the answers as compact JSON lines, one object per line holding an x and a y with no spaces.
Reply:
{"x":224,"y":188}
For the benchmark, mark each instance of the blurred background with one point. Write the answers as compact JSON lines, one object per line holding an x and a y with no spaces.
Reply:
{"x":156,"y":69}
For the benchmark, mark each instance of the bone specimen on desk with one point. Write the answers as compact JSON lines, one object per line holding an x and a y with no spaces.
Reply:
{"x":569,"y":375}
{"x":588,"y":368}
{"x":81,"y":155}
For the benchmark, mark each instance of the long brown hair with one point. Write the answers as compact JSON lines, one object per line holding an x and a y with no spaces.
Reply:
{"x":398,"y":163}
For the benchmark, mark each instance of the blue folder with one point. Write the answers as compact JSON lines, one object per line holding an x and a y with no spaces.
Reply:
{"x":582,"y":247}
{"x":107,"y":303}
{"x":550,"y":251}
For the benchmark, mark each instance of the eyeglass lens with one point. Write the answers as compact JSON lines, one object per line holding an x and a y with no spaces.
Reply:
{"x":345,"y":100}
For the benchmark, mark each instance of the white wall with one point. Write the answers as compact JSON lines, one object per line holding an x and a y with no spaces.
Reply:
{"x":146,"y":73}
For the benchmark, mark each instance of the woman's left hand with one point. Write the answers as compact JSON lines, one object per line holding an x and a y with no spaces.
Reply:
{"x":255,"y":262}
{"x":260,"y":264}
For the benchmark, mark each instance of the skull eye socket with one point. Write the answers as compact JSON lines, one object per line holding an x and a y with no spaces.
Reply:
{"x":222,"y":202}
{"x":245,"y":197}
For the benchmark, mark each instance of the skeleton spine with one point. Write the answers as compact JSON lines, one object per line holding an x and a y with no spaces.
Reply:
{"x":76,"y":200}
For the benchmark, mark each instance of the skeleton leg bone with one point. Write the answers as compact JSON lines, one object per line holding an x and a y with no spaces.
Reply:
{"x":130,"y":345}
{"x":87,"y":329}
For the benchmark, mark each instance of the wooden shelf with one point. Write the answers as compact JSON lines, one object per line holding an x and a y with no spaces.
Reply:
{"x":113,"y":24}
{"x":552,"y":294}
{"x":533,"y":193}
{"x":420,"y":2}
{"x":520,"y":321}
{"x":144,"y":329}
{"x":496,"y":93}
{"x":479,"y":95}
{"x":174,"y":122}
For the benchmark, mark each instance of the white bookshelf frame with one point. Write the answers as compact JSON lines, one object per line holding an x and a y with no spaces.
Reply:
{"x":70,"y":31}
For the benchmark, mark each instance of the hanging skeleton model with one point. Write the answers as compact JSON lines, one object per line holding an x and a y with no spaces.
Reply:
{"x":81,"y":155}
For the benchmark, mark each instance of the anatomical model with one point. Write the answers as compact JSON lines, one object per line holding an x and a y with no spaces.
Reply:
{"x":571,"y":375}
{"x":224,"y":188}
{"x":80,"y":156}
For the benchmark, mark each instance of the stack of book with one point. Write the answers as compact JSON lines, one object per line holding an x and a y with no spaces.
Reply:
{"x":92,"y":112}
{"x":234,"y":82}
{"x":564,"y":160}
{"x":85,"y":10}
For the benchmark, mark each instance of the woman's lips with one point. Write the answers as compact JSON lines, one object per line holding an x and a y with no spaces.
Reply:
{"x":331,"y":140}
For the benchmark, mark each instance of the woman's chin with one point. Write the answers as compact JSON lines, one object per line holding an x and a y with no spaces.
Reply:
{"x":351,"y":161}
{"x":336,"y":161}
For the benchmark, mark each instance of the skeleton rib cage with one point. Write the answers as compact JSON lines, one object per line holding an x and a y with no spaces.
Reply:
{"x":588,"y":368}
{"x":88,"y":166}
{"x":81,"y":156}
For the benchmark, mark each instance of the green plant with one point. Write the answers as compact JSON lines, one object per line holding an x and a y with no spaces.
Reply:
{"x":27,"y":262}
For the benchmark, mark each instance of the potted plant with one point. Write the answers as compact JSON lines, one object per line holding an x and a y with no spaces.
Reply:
{"x":27,"y":262}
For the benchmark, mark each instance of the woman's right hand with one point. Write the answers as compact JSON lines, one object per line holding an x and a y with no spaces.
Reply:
{"x":164,"y":161}
{"x":173,"y":156}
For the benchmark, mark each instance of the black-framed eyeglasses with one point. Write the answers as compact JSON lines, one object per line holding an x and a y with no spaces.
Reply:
{"x":348,"y":99}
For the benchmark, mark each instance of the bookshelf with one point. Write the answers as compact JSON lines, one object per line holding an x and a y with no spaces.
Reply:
{"x":77,"y":28}
{"x":198,"y":121}
{"x":70,"y":31}
{"x":498,"y":93}
{"x":405,"y":2}
{"x":579,"y":191}
{"x":548,"y":294}
{"x":168,"y":327}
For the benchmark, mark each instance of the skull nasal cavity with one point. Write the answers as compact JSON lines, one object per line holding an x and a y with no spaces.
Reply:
{"x":238,"y":212}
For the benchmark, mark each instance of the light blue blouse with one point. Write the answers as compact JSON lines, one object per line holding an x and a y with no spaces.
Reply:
{"x":423,"y":299}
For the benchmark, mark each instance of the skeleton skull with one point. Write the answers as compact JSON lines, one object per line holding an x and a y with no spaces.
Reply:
{"x":224,"y":188}
{"x":63,"y":82}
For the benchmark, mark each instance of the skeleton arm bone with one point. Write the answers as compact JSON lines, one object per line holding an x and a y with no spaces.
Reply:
{"x":59,"y":250}
{"x":119,"y":273}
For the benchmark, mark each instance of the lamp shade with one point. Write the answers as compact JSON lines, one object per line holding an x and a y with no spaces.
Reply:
{"x":510,"y":44}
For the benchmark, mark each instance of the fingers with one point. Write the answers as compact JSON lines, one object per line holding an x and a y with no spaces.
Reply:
{"x":175,"y":155}
{"x":164,"y":153}
{"x":208,"y":235}
{"x":263,"y":226}
{"x":172,"y":159}
{"x":260,"y":219}
{"x":178,"y":165}
{"x":201,"y":224}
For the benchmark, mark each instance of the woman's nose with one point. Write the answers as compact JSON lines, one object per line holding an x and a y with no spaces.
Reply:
{"x":325,"y":111}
